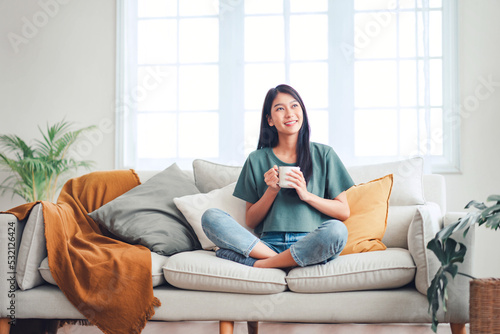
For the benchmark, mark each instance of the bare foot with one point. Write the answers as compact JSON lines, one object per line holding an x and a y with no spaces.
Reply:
{"x":281,"y":260}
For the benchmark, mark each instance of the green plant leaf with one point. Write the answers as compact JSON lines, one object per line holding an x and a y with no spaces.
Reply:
{"x":468,"y":220}
{"x":37,"y":171}
{"x":466,"y":231}
{"x":493,"y":198}
{"x":447,"y":231}
{"x":490,"y":211}
{"x":476,"y":204}
{"x":436,"y":247}
{"x":434,"y":294}
{"x":12,"y":143}
{"x":494,"y":222}
{"x":452,"y":270}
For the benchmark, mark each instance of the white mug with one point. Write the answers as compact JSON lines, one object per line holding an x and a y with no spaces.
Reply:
{"x":283,"y":170}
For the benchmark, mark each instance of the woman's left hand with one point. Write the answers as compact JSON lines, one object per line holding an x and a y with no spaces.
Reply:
{"x":298,"y":183}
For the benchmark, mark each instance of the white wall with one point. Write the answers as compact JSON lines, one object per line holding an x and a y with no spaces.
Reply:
{"x":67,"y":69}
{"x":64,"y":68}
{"x":479,"y":52}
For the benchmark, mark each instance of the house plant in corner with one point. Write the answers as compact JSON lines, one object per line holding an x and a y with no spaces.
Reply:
{"x":450,"y":252}
{"x":38,"y":170}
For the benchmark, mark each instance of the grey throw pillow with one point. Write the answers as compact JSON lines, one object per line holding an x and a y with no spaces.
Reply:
{"x":147,"y":215}
{"x":209,"y":176}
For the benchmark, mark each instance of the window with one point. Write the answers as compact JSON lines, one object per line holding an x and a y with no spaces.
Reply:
{"x":378,"y":77}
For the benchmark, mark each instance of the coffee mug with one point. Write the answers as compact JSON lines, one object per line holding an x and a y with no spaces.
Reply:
{"x":283,"y":170}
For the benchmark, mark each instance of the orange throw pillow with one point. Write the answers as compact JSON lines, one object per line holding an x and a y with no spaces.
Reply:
{"x":369,"y":205}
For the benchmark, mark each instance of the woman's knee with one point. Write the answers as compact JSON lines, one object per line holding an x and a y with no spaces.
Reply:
{"x":211,"y":217}
{"x":336,"y":230}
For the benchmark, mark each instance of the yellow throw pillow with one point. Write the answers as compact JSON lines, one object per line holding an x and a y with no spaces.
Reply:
{"x":369,"y":205}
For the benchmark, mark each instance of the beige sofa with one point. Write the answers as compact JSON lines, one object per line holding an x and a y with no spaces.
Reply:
{"x":375,"y":287}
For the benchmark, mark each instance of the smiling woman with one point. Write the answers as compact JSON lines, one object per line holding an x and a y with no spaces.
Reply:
{"x":300,"y":226}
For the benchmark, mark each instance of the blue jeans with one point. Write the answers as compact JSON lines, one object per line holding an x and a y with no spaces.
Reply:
{"x":319,"y":246}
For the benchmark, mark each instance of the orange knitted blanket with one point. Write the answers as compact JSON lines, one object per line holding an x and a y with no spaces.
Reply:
{"x":107,"y":280}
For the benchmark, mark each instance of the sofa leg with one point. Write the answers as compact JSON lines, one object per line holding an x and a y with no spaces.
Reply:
{"x":253,"y":327}
{"x":458,"y":328}
{"x":226,"y":327}
{"x":4,"y":325}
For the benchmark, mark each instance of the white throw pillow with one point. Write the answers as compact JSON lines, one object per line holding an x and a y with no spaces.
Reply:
{"x":390,"y":268}
{"x":193,"y":207}
{"x":157,"y":263}
{"x":32,"y":250}
{"x":407,"y":188}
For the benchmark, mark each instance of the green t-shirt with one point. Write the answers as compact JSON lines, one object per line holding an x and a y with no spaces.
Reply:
{"x":288,"y":212}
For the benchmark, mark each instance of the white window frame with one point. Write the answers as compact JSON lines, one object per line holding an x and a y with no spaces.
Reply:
{"x":340,"y":87}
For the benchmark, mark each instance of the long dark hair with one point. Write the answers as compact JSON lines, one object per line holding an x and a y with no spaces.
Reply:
{"x":269,"y":135}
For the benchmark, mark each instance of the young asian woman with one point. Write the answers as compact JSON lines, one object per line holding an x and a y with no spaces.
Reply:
{"x":300,"y":226}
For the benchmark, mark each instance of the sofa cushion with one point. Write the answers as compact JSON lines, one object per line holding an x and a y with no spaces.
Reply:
{"x":425,"y":225}
{"x":386,"y":269}
{"x":147,"y":214}
{"x":32,"y":250}
{"x":202,"y":270}
{"x":398,"y":222}
{"x":366,"y":225}
{"x":408,"y":179}
{"x":209,"y":175}
{"x":157,"y":263}
{"x":193,"y":207}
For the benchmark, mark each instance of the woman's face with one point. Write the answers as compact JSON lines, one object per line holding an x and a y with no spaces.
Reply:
{"x":286,"y":114}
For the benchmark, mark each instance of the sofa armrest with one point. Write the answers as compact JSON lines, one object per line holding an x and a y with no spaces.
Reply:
{"x":426,"y":223}
{"x":11,"y":230}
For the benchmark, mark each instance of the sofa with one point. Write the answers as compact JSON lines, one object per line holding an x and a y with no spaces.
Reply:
{"x":368,"y":287}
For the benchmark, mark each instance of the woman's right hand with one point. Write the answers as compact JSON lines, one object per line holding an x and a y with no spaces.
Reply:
{"x":271,"y":178}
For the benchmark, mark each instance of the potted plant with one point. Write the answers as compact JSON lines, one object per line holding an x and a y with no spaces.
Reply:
{"x":449,"y":252}
{"x":37,"y":170}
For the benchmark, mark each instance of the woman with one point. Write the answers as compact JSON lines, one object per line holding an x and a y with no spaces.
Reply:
{"x":300,"y":226}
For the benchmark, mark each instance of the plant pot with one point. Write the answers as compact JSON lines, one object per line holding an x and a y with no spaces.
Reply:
{"x":484,"y":306}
